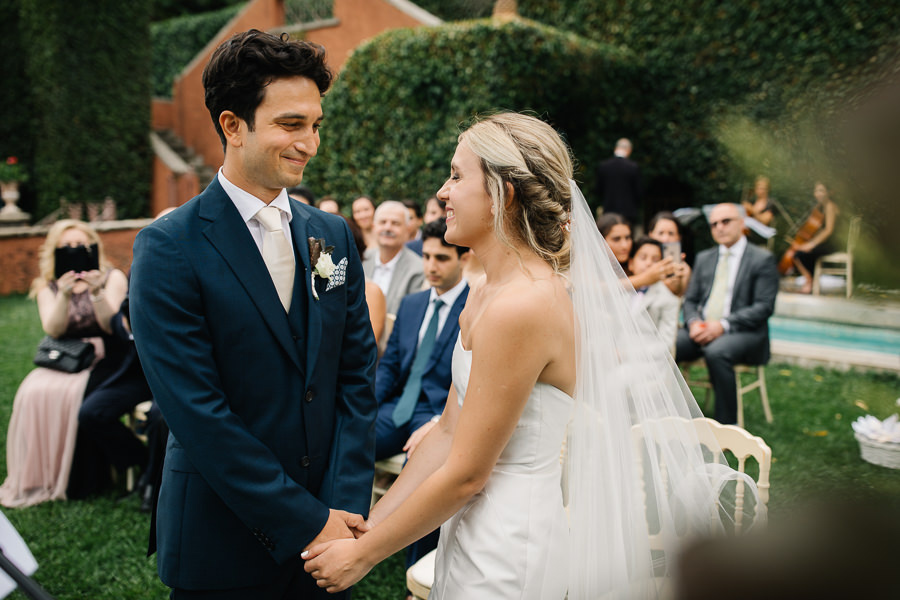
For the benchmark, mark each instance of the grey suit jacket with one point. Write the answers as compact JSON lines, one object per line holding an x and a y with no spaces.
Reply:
{"x":408,"y":278}
{"x":753,"y":297}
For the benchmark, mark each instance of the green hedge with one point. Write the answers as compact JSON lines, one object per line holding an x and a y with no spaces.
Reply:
{"x":394,"y":113}
{"x":16,"y":104}
{"x":88,"y":67}
{"x":177,"y":41}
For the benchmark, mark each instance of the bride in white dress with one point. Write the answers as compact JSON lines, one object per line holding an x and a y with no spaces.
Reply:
{"x":490,"y":470}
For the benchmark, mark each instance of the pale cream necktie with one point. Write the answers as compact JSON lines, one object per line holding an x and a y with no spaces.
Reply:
{"x":277,"y":253}
{"x":715,"y":304}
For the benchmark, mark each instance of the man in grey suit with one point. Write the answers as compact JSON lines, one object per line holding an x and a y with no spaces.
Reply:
{"x":727,"y":307}
{"x":395,"y":268}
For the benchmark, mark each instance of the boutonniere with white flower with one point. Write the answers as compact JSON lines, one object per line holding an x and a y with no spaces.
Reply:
{"x":320,"y":257}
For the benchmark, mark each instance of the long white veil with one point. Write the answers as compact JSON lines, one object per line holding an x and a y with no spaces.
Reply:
{"x":639,"y":483}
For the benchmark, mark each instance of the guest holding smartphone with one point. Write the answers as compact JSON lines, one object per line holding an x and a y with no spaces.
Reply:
{"x":41,"y":440}
{"x":666,"y":229}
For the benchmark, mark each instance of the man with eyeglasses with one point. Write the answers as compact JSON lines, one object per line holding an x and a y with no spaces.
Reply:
{"x":727,"y":307}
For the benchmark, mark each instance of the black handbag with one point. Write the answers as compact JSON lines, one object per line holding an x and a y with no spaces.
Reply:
{"x":70,"y":355}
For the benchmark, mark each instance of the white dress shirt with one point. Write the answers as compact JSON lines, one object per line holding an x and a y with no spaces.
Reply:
{"x":383,"y":273}
{"x":448,"y":298}
{"x":248,"y":205}
{"x":735,"y":253}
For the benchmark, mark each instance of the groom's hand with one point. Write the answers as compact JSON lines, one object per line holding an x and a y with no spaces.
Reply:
{"x":335,"y":528}
{"x":356,"y":523}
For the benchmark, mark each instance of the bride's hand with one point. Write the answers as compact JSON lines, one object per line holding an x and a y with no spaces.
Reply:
{"x":336,"y":565}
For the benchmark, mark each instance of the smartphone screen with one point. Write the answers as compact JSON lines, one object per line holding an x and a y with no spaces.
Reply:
{"x":672,"y":249}
{"x":76,"y":258}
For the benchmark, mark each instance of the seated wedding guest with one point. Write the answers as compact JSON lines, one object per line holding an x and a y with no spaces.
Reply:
{"x":100,"y":416}
{"x":665,"y":228}
{"x":727,"y":307}
{"x":363,"y":212}
{"x":616,"y":230}
{"x":660,"y":303}
{"x":435,"y":208}
{"x":329,"y":204}
{"x":395,"y":268}
{"x":761,"y":208}
{"x":821,"y":243}
{"x":413,"y":376}
{"x":74,"y":303}
{"x":300,"y":193}
{"x":374,"y":295}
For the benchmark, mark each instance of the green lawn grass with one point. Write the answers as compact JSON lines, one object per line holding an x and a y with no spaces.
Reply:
{"x":95,"y":549}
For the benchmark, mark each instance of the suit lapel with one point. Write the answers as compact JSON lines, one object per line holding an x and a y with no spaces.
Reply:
{"x":451,"y":325}
{"x":746,"y":259}
{"x":418,"y":308}
{"x":301,"y":231}
{"x":228,"y":233}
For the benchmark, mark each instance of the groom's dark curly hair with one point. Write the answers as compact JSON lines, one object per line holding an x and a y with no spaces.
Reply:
{"x":240,"y":69}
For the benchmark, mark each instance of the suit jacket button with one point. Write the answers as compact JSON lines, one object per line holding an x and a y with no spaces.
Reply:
{"x":296,"y":337}
{"x":304,"y":462}
{"x":309,"y":395}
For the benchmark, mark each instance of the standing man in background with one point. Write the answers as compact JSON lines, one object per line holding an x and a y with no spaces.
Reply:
{"x":619,"y":183}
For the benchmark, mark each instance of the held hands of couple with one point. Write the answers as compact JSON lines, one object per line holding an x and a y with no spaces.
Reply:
{"x":340,"y":525}
{"x":336,"y":565}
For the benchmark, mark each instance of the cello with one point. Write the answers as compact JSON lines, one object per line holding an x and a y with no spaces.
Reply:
{"x":813,"y":224}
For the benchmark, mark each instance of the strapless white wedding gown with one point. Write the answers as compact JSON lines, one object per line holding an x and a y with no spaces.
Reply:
{"x":511,"y":540}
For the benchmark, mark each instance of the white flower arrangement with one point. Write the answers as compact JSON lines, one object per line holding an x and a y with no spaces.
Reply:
{"x":879,"y":441}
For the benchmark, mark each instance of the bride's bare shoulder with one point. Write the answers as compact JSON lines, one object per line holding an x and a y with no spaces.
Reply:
{"x":526,"y":308}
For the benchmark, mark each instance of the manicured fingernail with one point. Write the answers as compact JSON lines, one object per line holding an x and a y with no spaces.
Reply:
{"x":304,"y":554}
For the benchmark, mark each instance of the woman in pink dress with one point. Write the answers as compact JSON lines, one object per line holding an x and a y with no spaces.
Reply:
{"x":40,"y":442}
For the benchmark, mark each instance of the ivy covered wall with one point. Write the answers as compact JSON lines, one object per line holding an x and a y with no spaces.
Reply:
{"x":394,"y":113}
{"x":88,"y":70}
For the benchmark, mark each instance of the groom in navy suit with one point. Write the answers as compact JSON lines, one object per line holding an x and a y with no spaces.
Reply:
{"x":249,"y":316}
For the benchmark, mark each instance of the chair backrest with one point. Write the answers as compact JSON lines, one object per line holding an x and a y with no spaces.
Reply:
{"x":386,"y":332}
{"x":728,"y":438}
{"x":853,"y":233}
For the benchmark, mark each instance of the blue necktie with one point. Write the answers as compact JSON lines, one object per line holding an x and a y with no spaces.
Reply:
{"x":407,"y":403}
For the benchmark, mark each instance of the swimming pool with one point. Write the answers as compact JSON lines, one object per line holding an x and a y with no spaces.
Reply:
{"x":835,"y":335}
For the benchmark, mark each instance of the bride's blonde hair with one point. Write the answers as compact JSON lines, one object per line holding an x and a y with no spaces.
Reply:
{"x":529,"y":155}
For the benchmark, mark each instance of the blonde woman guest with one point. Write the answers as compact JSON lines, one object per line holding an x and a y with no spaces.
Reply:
{"x":42,"y":430}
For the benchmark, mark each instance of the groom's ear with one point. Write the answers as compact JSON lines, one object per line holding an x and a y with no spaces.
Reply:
{"x":233,"y":127}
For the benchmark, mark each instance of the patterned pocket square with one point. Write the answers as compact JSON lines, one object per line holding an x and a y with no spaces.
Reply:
{"x":338,"y":276}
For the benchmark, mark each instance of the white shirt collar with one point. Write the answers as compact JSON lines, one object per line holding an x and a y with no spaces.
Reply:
{"x":389,"y":265}
{"x":248,"y":204}
{"x":736,"y":250}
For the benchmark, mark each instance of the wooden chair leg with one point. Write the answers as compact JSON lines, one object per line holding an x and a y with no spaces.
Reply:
{"x":761,"y":374}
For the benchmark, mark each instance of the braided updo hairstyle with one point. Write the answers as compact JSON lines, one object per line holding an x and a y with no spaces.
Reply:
{"x":528,"y":154}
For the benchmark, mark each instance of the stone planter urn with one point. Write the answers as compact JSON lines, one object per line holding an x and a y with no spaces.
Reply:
{"x":11,"y":214}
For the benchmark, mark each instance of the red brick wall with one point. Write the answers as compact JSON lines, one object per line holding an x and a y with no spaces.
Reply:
{"x":19,"y":251}
{"x":359,"y":20}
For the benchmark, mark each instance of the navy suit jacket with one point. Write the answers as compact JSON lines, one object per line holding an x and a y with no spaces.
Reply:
{"x":271,"y":413}
{"x":394,"y":367}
